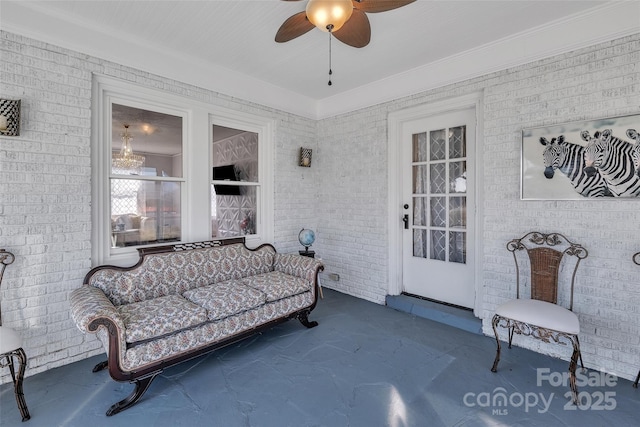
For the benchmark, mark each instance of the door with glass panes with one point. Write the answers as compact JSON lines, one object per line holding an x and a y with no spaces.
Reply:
{"x":438,"y":198}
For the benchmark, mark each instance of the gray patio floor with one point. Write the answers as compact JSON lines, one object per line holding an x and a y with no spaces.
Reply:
{"x":364,"y":365}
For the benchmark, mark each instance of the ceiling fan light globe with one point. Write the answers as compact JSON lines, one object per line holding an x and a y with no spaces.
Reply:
{"x":329,"y":14}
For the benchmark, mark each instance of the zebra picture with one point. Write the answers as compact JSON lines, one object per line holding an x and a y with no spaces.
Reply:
{"x":635,"y":152}
{"x":585,"y":160}
{"x":612,"y":157}
{"x":568,"y":158}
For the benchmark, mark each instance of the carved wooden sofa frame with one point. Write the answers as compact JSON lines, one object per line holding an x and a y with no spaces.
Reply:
{"x":142,"y":378}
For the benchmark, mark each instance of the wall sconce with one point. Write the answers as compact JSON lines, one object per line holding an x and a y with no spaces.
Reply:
{"x":305,"y":157}
{"x":9,"y":117}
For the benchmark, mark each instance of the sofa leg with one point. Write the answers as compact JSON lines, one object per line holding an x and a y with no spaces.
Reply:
{"x":303,"y":317}
{"x":141,"y":386}
{"x":100,"y":366}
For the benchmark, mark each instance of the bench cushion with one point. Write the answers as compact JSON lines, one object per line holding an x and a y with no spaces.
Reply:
{"x":226,"y":298}
{"x":277,"y":285}
{"x":541,"y":313}
{"x":159,"y":316}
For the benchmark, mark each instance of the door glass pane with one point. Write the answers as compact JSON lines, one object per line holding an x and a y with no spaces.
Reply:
{"x":420,"y":147}
{"x":420,"y":211}
{"x":420,"y":179}
{"x":458,"y":177}
{"x":438,"y":211}
{"x":457,"y":247}
{"x":443,"y":179}
{"x":438,"y":178}
{"x":458,"y":212}
{"x":438,"y":245}
{"x":420,"y":243}
{"x":438,"y":144}
{"x":457,"y":142}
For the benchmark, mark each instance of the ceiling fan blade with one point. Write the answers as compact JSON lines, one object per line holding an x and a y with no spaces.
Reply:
{"x":293,"y":27}
{"x":374,"y":6}
{"x":356,"y":31}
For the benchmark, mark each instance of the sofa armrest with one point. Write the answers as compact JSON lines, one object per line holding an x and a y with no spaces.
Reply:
{"x":90,"y":308}
{"x":299,"y":266}
{"x":93,"y":312}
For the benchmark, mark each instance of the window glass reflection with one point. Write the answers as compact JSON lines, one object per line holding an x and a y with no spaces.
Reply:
{"x":145,"y":142}
{"x":235,"y":182}
{"x":144,"y":212}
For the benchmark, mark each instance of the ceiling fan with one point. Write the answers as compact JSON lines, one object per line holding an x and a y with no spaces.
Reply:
{"x":346,"y":20}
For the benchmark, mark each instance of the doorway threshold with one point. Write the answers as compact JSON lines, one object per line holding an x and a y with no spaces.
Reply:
{"x":455,"y":316}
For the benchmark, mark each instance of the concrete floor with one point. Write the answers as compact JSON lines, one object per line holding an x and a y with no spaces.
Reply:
{"x":364,"y":365}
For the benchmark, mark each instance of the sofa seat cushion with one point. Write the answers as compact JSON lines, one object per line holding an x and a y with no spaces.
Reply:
{"x":159,"y":316}
{"x":226,"y":298}
{"x":277,"y":285}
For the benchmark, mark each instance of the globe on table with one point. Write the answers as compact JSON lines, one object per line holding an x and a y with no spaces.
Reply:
{"x":306,"y":238}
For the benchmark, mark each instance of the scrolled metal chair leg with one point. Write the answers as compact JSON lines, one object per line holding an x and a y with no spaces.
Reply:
{"x":494,"y":324}
{"x":18,"y":379}
{"x":635,"y":383}
{"x":511,"y":328}
{"x":573,"y":364}
{"x":581,"y":362}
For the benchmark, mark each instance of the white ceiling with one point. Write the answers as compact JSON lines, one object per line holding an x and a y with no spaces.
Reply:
{"x":228,"y":46}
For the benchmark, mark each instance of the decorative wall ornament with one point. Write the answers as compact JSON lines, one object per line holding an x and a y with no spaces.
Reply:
{"x":10,"y":117}
{"x":587,"y":160}
{"x":305,"y":157}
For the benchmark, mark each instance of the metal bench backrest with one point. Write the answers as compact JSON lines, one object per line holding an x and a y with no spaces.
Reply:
{"x":546,"y":252}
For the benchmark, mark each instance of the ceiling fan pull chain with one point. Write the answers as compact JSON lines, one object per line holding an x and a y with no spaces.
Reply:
{"x":330,"y":27}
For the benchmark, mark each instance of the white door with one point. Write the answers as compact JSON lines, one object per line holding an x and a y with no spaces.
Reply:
{"x":438,"y":207}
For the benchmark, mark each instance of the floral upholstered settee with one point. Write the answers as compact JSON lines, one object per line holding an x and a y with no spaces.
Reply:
{"x":184,"y":300}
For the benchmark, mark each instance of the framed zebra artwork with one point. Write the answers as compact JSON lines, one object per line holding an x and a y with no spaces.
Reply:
{"x":595,"y":159}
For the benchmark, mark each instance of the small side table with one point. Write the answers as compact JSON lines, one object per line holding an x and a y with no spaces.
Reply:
{"x":307,"y":253}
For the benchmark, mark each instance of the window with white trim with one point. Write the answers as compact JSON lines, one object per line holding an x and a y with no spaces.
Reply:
{"x":146,"y":176}
{"x":167,"y":168}
{"x":235,"y":182}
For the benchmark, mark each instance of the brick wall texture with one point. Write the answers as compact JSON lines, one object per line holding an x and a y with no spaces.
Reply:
{"x":595,"y":82}
{"x":45,"y":195}
{"x":45,"y":188}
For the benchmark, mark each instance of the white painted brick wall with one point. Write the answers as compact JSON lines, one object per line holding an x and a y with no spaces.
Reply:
{"x":600,"y":81}
{"x":45,"y":192}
